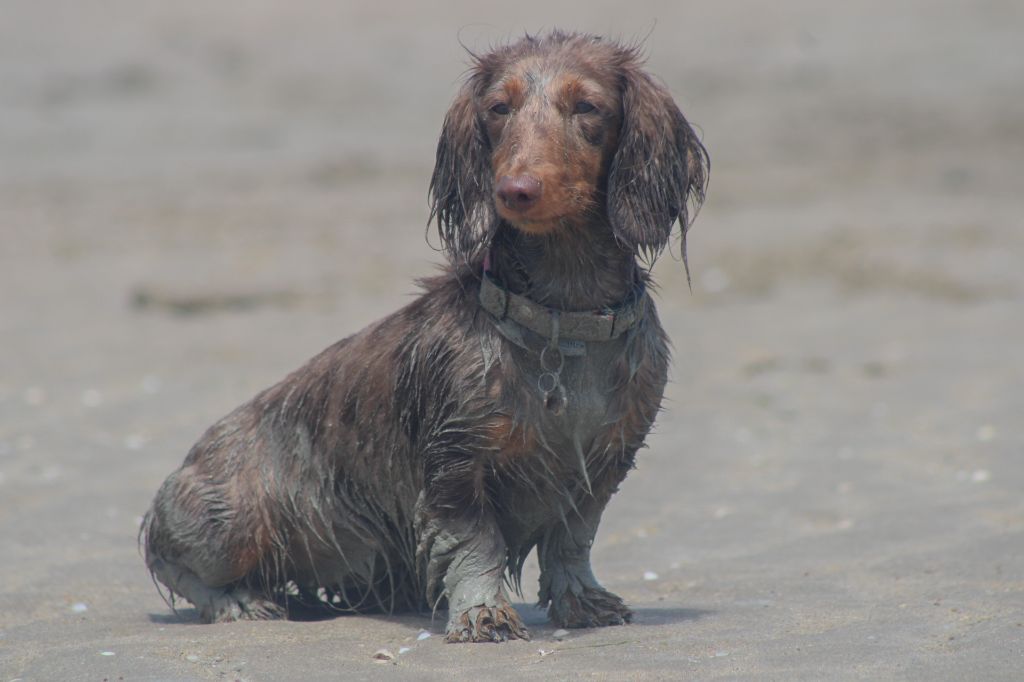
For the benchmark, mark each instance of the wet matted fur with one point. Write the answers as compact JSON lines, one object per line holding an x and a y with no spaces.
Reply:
{"x":417,"y":462}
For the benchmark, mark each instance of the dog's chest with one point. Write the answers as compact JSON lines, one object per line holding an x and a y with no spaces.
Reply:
{"x":564,"y":453}
{"x":571,"y":413}
{"x":579,"y":407}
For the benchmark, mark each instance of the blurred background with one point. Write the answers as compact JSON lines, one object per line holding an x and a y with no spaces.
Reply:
{"x":196,"y":197}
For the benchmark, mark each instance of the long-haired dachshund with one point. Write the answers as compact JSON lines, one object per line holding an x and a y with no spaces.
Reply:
{"x":421,"y":460}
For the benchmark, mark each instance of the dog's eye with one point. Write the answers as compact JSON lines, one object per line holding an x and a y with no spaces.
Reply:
{"x":584,"y":107}
{"x":501,"y":109}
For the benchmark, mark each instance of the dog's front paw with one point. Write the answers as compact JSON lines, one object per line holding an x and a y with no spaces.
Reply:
{"x":589,"y":608}
{"x":484,"y":623}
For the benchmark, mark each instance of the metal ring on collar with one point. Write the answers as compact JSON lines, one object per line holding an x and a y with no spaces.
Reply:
{"x":561,"y":360}
{"x":547,"y":382}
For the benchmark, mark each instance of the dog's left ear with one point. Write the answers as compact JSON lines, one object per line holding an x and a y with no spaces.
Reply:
{"x":460,"y":188}
{"x":659,"y":173}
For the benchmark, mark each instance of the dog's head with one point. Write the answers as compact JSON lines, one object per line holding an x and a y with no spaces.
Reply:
{"x":565,"y":131}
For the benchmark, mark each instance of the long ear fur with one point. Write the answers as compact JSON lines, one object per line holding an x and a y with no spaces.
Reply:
{"x":659,"y":173}
{"x":461,"y":187}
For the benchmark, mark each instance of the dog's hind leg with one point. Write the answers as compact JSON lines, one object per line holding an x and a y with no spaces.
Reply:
{"x":195,"y":547}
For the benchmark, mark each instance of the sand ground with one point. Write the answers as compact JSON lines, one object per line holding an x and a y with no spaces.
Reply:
{"x":196,"y":197}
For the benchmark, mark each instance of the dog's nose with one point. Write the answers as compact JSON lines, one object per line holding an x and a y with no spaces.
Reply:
{"x":518,"y":193}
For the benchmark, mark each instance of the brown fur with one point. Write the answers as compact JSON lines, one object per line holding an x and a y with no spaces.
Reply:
{"x":416,"y":462}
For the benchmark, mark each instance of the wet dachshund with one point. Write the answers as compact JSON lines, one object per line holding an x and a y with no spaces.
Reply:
{"x":418,"y":462}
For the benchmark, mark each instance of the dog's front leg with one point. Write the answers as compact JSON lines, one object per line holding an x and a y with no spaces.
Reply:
{"x":468,"y":555}
{"x":574,"y":597}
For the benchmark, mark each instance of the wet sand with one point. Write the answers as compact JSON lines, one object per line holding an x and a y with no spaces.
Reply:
{"x":197,"y":197}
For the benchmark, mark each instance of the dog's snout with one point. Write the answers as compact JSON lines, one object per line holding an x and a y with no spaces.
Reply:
{"x":519,"y":193}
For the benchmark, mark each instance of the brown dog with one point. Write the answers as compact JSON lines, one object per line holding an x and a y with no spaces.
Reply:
{"x":424,"y":457}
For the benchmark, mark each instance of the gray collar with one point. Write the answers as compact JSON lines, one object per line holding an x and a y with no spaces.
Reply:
{"x":559,"y":325}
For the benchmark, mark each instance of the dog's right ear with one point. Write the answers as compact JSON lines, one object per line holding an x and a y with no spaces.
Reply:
{"x":461,"y":191}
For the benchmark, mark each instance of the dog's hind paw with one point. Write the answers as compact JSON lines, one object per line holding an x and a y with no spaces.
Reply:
{"x":240,"y":604}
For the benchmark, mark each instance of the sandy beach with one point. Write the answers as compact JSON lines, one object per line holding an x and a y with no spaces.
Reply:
{"x":197,"y":197}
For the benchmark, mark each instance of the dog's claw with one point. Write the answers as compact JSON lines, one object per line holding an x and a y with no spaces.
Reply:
{"x":240,"y":604}
{"x":487,"y":624}
{"x":593,"y":607}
